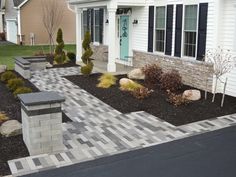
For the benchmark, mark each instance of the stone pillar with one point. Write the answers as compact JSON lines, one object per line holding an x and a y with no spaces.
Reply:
{"x":42,"y":122}
{"x":111,"y":66}
{"x":78,"y":34}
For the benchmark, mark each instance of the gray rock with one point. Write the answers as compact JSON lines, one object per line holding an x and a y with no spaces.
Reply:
{"x":11,"y":128}
{"x":136,"y":74}
{"x":124,"y":81}
{"x":192,"y":95}
{"x":3,"y":68}
{"x":48,"y":65}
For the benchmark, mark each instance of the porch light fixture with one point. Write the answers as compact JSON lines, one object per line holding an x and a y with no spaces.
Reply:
{"x":107,"y":21}
{"x":135,"y":22}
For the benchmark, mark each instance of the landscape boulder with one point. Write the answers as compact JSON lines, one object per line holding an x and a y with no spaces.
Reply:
{"x":3,"y":68}
{"x":49,"y":65}
{"x":124,"y":81}
{"x":11,"y":128}
{"x":192,"y":95}
{"x":136,"y":74}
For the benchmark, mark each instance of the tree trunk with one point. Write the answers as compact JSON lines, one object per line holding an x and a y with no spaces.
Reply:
{"x":214,"y":93}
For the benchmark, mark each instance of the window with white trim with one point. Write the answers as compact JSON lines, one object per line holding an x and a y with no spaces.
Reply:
{"x":190,"y":30}
{"x":160,"y":29}
{"x":92,"y":20}
{"x":96,"y":26}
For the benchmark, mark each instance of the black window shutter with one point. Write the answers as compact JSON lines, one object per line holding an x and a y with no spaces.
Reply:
{"x":101,"y":15}
{"x":92,"y":24}
{"x":150,"y":28}
{"x":178,"y":29}
{"x":169,"y":29}
{"x":202,"y":30}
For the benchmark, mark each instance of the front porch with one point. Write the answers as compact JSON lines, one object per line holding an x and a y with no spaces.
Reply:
{"x":111,"y":24}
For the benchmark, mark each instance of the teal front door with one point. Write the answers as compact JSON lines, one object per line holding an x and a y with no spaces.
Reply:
{"x":124,"y":37}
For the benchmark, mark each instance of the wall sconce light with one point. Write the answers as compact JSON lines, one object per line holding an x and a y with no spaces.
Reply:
{"x":135,"y":22}
{"x":107,"y":21}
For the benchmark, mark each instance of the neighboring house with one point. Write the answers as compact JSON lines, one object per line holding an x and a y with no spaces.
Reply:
{"x":24,"y":24}
{"x":2,"y":15}
{"x":176,"y":32}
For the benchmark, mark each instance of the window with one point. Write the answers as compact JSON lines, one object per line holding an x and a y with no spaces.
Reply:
{"x":95,"y":15}
{"x":96,"y":26}
{"x":160,"y":29}
{"x":190,"y":30}
{"x":85,"y":23}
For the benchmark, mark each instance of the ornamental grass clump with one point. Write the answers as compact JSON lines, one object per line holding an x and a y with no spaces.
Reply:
{"x":13,"y":84}
{"x":171,"y":81}
{"x":130,"y":86}
{"x":7,"y":76}
{"x":106,"y":80}
{"x":22,"y":90}
{"x":3,"y":117}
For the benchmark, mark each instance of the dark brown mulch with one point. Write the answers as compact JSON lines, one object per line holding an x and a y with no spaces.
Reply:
{"x":13,"y":147}
{"x":156,"y":104}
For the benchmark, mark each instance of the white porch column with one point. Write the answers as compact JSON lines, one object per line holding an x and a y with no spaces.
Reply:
{"x":78,"y":34}
{"x":1,"y":23}
{"x":111,"y":66}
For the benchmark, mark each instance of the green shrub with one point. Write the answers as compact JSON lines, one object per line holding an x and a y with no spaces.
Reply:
{"x":60,"y":56}
{"x":13,"y":84}
{"x":60,"y":59}
{"x":71,"y":56}
{"x":86,"y":55}
{"x":106,"y":80}
{"x":22,"y":90}
{"x":87,"y":69}
{"x":152,"y":74}
{"x":131,"y":86}
{"x":7,"y":76}
{"x":171,"y":81}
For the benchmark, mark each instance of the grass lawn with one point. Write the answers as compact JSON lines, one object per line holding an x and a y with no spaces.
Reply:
{"x":8,"y":52}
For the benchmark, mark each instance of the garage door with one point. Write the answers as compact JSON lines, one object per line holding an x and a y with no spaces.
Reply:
{"x":12,"y":31}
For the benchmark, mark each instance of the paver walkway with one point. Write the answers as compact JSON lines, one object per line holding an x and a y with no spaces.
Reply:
{"x":98,"y":130}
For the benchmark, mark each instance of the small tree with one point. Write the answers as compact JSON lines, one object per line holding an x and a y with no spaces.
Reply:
{"x":223,"y":62}
{"x":53,"y":12}
{"x":87,"y":69}
{"x":60,"y":56}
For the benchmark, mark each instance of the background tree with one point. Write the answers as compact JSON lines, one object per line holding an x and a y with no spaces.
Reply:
{"x":53,"y":12}
{"x":87,"y":69}
{"x":60,"y":55}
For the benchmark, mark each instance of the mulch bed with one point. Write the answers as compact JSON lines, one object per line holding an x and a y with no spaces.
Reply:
{"x":157,"y":104}
{"x":13,"y":147}
{"x":65,"y":65}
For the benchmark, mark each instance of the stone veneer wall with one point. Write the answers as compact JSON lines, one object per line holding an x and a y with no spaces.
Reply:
{"x":100,"y":52}
{"x":194,"y":73}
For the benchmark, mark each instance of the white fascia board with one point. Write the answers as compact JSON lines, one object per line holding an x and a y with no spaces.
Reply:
{"x":74,"y":2}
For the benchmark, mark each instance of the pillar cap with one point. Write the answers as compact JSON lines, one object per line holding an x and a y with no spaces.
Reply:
{"x":40,"y":98}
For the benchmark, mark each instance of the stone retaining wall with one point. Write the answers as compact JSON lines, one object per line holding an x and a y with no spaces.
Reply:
{"x":194,"y":73}
{"x":100,"y":52}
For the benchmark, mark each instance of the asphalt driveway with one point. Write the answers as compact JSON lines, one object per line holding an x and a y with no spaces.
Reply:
{"x":208,"y":155}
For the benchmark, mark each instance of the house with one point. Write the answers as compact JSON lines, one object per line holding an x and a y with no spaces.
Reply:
{"x":2,"y":15}
{"x":174,"y":33}
{"x":24,"y":22}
